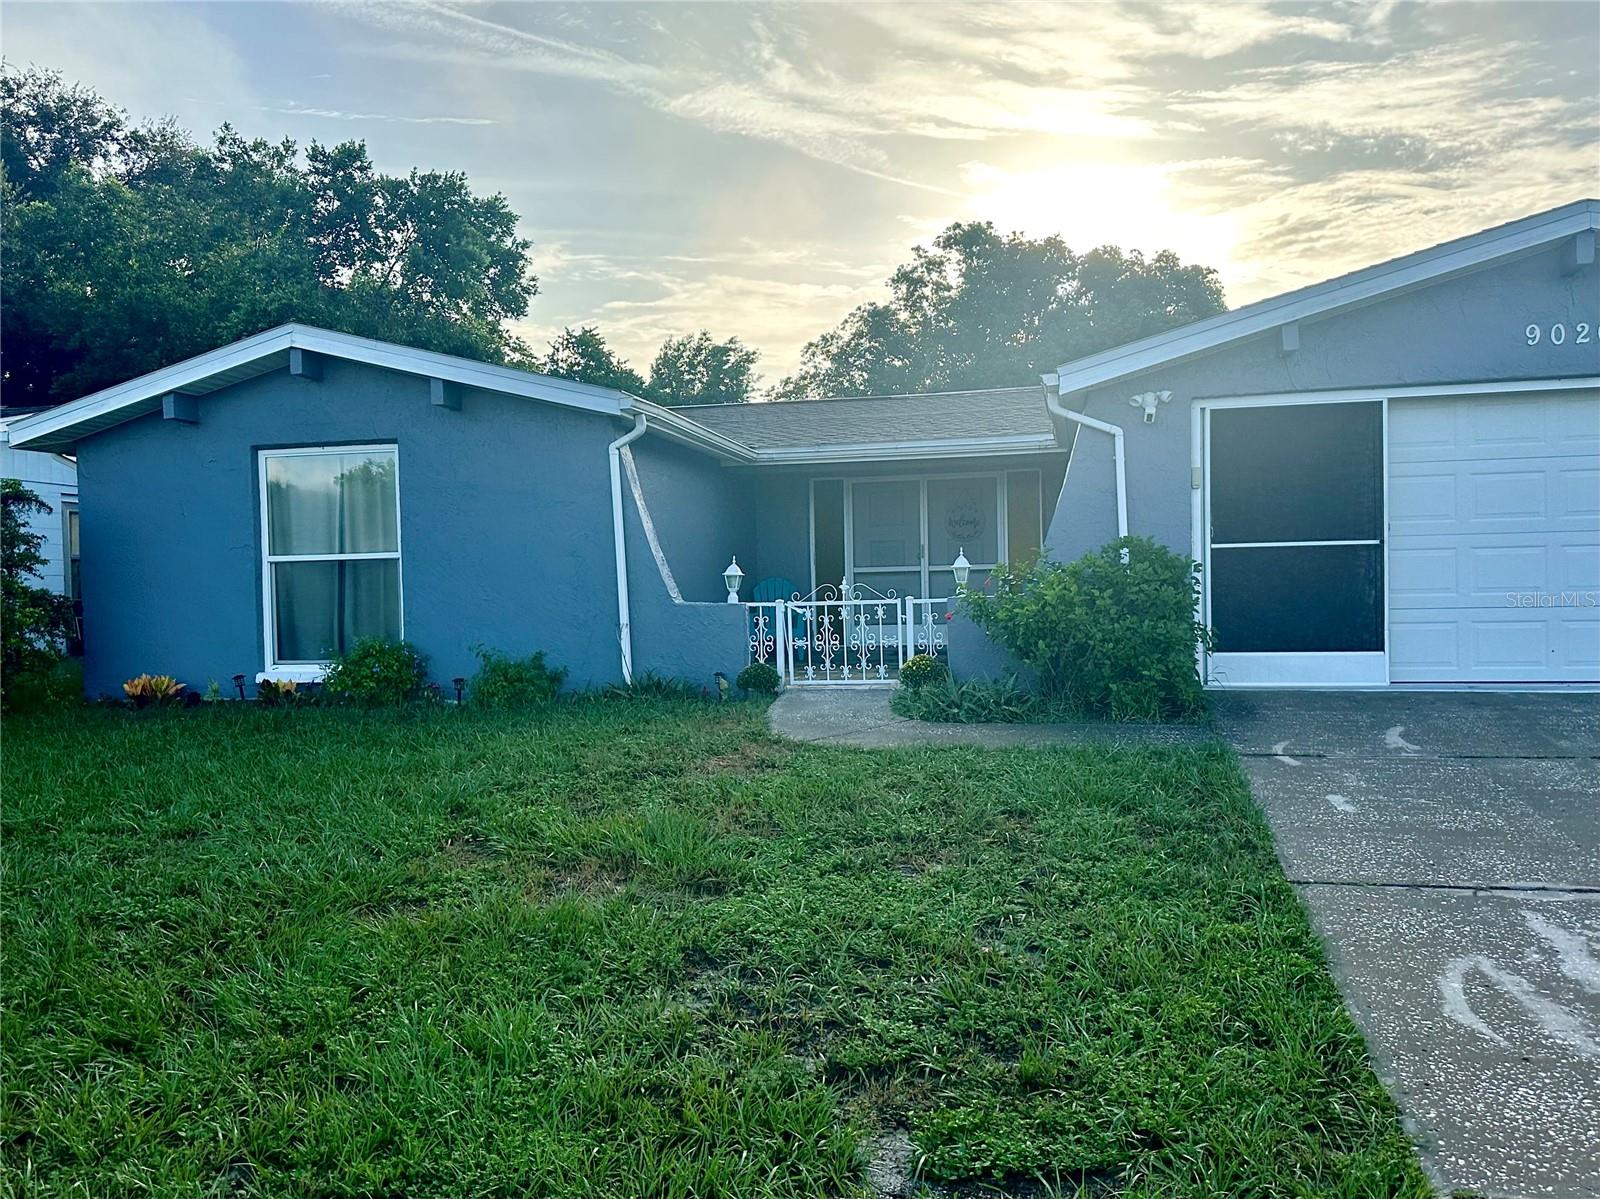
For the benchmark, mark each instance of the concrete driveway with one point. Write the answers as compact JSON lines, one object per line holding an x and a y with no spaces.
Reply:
{"x":1447,"y":846}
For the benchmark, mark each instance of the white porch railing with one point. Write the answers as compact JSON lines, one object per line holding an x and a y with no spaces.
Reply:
{"x":927,"y":631}
{"x":845,"y":633}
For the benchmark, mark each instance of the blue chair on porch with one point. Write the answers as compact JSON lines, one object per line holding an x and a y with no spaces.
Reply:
{"x":771,"y":589}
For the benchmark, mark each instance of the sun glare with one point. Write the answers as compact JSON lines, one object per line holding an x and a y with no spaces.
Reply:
{"x":1094,"y":204}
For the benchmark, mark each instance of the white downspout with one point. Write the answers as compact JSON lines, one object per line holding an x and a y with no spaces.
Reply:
{"x":624,"y":623}
{"x":1052,"y":401}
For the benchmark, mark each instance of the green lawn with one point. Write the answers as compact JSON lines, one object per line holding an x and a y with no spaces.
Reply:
{"x":632,"y":948}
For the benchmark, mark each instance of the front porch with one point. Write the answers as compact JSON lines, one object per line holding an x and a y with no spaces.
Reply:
{"x":854,"y":568}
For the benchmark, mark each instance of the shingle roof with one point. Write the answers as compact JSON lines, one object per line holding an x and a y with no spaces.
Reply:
{"x":867,"y":420}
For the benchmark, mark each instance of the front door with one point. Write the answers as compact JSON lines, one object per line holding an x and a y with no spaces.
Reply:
{"x":886,"y":536}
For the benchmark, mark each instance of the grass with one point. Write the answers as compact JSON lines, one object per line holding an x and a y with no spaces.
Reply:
{"x":636,"y":948}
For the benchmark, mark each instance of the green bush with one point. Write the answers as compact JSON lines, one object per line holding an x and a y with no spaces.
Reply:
{"x":651,"y":685}
{"x":506,"y":682}
{"x":1113,"y":633}
{"x":759,"y":678}
{"x":376,"y":673}
{"x":46,"y":688}
{"x":283,"y":693}
{"x":34,"y":620}
{"x":922,"y":669}
{"x":978,"y":701}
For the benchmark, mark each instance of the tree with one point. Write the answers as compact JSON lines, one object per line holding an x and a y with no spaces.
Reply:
{"x":984,"y":310}
{"x":583,"y":355}
{"x":34,"y":621}
{"x":126,"y":249}
{"x":694,"y":369}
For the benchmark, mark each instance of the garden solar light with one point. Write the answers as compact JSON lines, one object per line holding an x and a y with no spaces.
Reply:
{"x":460,"y":684}
{"x":732,"y":577}
{"x":238,"y":682}
{"x":961,"y":568}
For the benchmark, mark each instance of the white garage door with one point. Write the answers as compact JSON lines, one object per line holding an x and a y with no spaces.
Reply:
{"x":1494,"y":539}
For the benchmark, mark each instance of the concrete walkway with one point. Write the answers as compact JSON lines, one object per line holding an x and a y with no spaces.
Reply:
{"x":860,"y":716}
{"x":1447,"y":846}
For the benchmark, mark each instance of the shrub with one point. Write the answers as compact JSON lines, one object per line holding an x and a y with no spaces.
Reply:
{"x":376,"y":673}
{"x":651,"y":685}
{"x":154,"y":691}
{"x":759,"y":678}
{"x":274,"y":692}
{"x":52,"y":687}
{"x":34,"y":621}
{"x":506,"y":682}
{"x":976,"y":701}
{"x":922,"y":669}
{"x":1111,"y":636}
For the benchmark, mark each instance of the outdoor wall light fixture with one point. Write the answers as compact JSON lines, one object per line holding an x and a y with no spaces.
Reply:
{"x":238,"y":684}
{"x":1150,"y":401}
{"x":460,"y":684}
{"x":731,"y":578}
{"x":961,"y":568}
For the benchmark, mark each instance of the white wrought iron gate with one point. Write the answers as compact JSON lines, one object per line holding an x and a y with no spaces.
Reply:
{"x":845,"y":633}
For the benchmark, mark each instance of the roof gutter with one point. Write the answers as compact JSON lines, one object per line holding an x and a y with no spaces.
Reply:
{"x":620,"y":543}
{"x":1052,"y":401}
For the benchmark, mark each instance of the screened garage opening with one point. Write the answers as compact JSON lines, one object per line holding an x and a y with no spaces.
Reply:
{"x":1295,"y":560}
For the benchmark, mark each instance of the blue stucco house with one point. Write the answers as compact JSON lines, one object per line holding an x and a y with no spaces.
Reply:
{"x":1389,"y":478}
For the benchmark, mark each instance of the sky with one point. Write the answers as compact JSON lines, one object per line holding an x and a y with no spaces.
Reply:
{"x":759,"y":170}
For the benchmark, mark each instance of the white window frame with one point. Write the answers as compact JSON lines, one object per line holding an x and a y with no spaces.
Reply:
{"x":310,"y":672}
{"x":69,"y":511}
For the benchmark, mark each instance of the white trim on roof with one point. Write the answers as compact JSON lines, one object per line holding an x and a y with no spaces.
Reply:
{"x":60,"y":426}
{"x":886,"y":451}
{"x":1399,"y":274}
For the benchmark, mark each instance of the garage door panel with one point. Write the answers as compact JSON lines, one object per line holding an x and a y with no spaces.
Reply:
{"x":1506,"y":495}
{"x":1501,"y":645}
{"x":1494,"y":537}
{"x":1577,"y":567}
{"x":1579,"y":645}
{"x":1579,"y":492}
{"x":1424,"y":647}
{"x":1497,"y":569}
{"x":1421,"y":578}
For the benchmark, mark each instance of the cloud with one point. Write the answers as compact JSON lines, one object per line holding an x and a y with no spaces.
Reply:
{"x":333,"y":114}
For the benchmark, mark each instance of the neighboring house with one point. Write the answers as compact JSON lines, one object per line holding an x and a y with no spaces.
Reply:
{"x":54,"y":479}
{"x":1392,"y":476}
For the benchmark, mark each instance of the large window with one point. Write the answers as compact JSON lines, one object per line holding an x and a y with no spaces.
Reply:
{"x":331,"y":541}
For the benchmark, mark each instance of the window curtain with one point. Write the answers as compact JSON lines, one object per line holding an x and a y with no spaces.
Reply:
{"x":326,"y":505}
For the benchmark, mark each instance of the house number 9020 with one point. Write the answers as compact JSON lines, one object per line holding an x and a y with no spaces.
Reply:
{"x":1581,"y":334}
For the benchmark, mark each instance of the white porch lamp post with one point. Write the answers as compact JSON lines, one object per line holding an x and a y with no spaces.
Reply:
{"x":731,"y":578}
{"x":961,"y":568}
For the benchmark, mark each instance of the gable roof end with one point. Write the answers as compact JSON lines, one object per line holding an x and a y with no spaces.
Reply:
{"x":61,"y":427}
{"x":1398,"y":275}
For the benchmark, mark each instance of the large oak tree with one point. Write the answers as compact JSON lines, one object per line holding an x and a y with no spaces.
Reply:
{"x":980,"y":310}
{"x":128,"y":248}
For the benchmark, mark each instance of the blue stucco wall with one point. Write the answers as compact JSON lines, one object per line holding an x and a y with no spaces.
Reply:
{"x":1461,"y":330}
{"x":505,"y":524}
{"x":702,"y":516}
